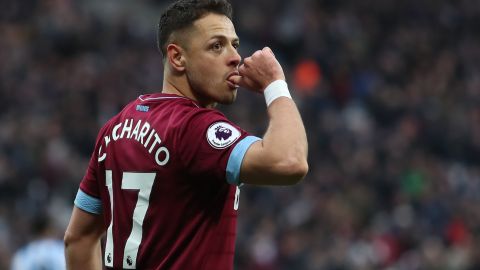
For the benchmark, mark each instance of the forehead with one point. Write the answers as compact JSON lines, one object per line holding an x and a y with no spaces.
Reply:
{"x":215,"y":25}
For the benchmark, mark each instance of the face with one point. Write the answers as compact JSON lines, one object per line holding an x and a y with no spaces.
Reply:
{"x":211,"y":57}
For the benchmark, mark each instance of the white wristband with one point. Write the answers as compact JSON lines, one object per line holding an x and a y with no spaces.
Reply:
{"x":276,"y":89}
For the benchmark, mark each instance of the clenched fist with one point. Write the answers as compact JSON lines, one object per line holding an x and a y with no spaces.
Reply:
{"x":259,"y":70}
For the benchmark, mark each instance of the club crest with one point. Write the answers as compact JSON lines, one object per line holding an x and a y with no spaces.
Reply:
{"x":221,"y":135}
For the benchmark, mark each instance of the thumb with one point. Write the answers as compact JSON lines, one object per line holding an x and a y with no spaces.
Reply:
{"x":245,"y":82}
{"x":237,"y":79}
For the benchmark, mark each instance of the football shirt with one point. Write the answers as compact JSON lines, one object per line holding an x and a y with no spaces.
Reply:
{"x":164,"y":174}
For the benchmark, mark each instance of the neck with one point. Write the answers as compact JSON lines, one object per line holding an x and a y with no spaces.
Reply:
{"x":172,"y":87}
{"x":180,"y":86}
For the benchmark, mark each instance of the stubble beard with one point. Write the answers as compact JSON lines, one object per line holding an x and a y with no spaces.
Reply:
{"x":201,"y":91}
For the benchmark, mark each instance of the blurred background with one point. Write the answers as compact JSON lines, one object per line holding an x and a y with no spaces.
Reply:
{"x":389,"y":92}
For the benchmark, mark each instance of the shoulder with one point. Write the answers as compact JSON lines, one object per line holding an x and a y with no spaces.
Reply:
{"x":201,"y":119}
{"x":207,"y":115}
{"x":212,"y":126}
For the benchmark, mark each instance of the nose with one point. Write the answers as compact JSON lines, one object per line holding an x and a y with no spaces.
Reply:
{"x":235,"y":58}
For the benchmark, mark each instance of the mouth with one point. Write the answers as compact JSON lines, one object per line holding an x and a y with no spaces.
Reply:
{"x":232,"y":86}
{"x":230,"y":82}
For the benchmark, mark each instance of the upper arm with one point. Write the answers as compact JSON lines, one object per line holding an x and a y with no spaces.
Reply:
{"x":82,"y":240}
{"x":254,"y":168}
{"x":211,"y":146}
{"x":84,"y":226}
{"x":260,"y":167}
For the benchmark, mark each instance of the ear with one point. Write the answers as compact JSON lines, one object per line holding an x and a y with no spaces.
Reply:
{"x":176,"y":57}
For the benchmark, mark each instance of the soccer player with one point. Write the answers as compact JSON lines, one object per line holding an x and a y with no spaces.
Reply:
{"x":45,"y":251}
{"x":163,"y":181}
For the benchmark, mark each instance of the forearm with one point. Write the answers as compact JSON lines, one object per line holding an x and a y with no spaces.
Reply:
{"x":285,"y":140}
{"x":83,"y":254}
{"x":281,"y":157}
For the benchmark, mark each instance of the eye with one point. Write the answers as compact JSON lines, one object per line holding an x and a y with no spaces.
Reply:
{"x":236,"y":45}
{"x":217,"y":46}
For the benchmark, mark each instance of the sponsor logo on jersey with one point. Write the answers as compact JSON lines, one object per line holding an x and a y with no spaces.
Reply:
{"x":142,"y":108}
{"x":221,"y":135}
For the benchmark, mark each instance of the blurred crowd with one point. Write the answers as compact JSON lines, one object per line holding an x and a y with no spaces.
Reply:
{"x":389,"y":92}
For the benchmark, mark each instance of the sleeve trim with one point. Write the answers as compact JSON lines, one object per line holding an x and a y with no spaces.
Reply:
{"x":236,"y":157}
{"x":88,"y":203}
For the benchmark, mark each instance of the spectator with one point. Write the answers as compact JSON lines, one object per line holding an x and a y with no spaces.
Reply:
{"x":393,"y":123}
{"x":45,"y":251}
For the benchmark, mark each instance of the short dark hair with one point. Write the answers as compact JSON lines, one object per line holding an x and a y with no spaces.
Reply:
{"x":40,"y":223}
{"x":182,"y":13}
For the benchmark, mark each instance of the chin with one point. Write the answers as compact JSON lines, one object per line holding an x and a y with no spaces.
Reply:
{"x":227,"y":97}
{"x":225,"y":100}
{"x":230,"y":98}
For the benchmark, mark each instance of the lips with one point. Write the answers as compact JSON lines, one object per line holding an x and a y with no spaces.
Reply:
{"x":230,"y":82}
{"x":233,"y":73}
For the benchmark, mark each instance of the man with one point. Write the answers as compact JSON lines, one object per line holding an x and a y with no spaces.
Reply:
{"x":45,"y":251}
{"x":163,"y":179}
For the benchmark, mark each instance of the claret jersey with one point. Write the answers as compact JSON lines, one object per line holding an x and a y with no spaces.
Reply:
{"x":164,"y":174}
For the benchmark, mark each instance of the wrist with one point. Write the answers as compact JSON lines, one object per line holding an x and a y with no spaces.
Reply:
{"x":276,"y":89}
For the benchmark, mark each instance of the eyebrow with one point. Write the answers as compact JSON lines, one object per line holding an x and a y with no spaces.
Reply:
{"x":236,"y":39}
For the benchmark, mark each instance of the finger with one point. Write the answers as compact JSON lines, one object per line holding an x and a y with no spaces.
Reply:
{"x":242,"y":69}
{"x":268,"y":50}
{"x":256,"y":54}
{"x":236,"y":79}
{"x":244,"y":82}
{"x":241,"y":81}
{"x":247,"y":61}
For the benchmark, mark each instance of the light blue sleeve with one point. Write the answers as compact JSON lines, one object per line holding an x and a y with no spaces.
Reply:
{"x":236,"y":157}
{"x":88,"y":203}
{"x":18,"y":262}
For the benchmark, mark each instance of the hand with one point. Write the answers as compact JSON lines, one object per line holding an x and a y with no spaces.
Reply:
{"x":259,"y":70}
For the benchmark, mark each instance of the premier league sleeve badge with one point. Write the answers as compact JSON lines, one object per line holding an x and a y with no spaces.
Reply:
{"x":221,"y":135}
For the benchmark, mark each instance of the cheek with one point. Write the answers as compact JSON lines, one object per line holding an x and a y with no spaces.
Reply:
{"x":207,"y":66}
{"x":205,"y":70}
{"x":200,"y":76}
